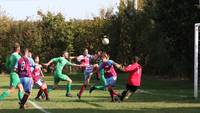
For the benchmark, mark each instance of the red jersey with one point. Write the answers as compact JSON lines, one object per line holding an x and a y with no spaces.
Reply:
{"x":135,"y":71}
{"x":84,"y":60}
{"x":36,"y":73}
{"x":109,"y":70}
{"x":23,"y":66}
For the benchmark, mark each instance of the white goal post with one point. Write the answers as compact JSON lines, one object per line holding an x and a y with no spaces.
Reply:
{"x":196,"y":46}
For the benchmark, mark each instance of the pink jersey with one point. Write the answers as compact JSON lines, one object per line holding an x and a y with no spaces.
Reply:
{"x":135,"y":71}
{"x":36,"y":73}
{"x":23,"y":67}
{"x":108,"y":69}
{"x":84,"y":60}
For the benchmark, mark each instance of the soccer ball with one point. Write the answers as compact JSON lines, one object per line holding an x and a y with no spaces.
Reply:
{"x":105,"y":41}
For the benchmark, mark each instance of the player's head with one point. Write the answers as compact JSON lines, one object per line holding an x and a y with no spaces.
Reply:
{"x":135,"y":59}
{"x":96,"y":66}
{"x":99,"y":52}
{"x":26,"y":52}
{"x":16,"y":47}
{"x":29,"y":54}
{"x":105,"y":57}
{"x":85,"y":52}
{"x":65,"y":54}
{"x":37,"y":59}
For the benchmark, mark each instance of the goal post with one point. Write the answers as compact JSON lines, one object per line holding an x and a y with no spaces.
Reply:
{"x":196,"y":45}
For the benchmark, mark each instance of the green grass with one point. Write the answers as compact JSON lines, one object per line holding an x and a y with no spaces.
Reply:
{"x":159,"y":96}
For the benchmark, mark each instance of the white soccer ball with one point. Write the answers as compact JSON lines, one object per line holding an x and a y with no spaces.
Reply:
{"x":105,"y":41}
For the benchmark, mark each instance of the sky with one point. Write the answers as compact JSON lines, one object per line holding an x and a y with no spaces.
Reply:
{"x":79,"y":9}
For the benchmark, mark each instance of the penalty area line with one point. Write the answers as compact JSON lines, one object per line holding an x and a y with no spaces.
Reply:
{"x":38,"y":107}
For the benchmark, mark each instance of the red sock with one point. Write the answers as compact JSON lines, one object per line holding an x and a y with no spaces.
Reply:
{"x":114,"y":93}
{"x":110,"y":89}
{"x":46,"y":93}
{"x":82,"y":89}
{"x":39,"y":93}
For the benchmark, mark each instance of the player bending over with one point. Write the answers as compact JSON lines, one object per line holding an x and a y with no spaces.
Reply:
{"x":58,"y":75}
{"x":37,"y":74}
{"x":134,"y":79}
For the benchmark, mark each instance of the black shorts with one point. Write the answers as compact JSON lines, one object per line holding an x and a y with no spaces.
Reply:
{"x":131,"y":88}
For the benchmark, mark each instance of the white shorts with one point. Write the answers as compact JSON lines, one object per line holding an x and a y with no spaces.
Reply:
{"x":39,"y":83}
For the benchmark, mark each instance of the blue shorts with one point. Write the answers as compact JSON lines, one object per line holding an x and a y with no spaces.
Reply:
{"x":27,"y":84}
{"x":111,"y":81}
{"x":87,"y":74}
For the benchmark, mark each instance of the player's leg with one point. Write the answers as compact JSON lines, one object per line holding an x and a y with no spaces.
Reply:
{"x":27,"y":85}
{"x":44,"y":87}
{"x":14,"y":80}
{"x":132,"y":90}
{"x":41,"y":90}
{"x":64,"y":77}
{"x":110,"y":84}
{"x":87,"y":77}
{"x":102,"y":83}
{"x":124,"y":93}
{"x":20,"y":91}
{"x":56,"y":81}
{"x":128,"y":92}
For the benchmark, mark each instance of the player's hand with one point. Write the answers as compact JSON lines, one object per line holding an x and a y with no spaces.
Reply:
{"x":44,"y":70}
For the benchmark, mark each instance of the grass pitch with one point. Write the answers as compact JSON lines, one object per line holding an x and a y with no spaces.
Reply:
{"x":157,"y":96}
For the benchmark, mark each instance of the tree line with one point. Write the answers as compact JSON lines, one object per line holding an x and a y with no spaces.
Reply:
{"x":160,"y":32}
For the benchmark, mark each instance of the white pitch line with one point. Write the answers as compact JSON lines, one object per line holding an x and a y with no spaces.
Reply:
{"x":147,"y":92}
{"x":38,"y":107}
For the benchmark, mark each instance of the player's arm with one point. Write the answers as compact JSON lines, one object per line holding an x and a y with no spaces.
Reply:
{"x":129,"y":68}
{"x":51,"y":61}
{"x":41,"y":71}
{"x":76,"y":65}
{"x":72,"y":57}
{"x":98,"y":68}
{"x":16,"y":67}
{"x":116,"y":65}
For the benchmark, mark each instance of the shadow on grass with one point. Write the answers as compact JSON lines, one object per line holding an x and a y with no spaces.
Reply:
{"x":92,"y":110}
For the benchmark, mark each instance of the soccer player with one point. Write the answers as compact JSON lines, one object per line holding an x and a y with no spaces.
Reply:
{"x":58,"y":75}
{"x":100,"y":75}
{"x":37,"y":74}
{"x":88,"y":72}
{"x":110,"y":75}
{"x":134,"y":79}
{"x":85,"y":59}
{"x":24,"y":70}
{"x":14,"y":78}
